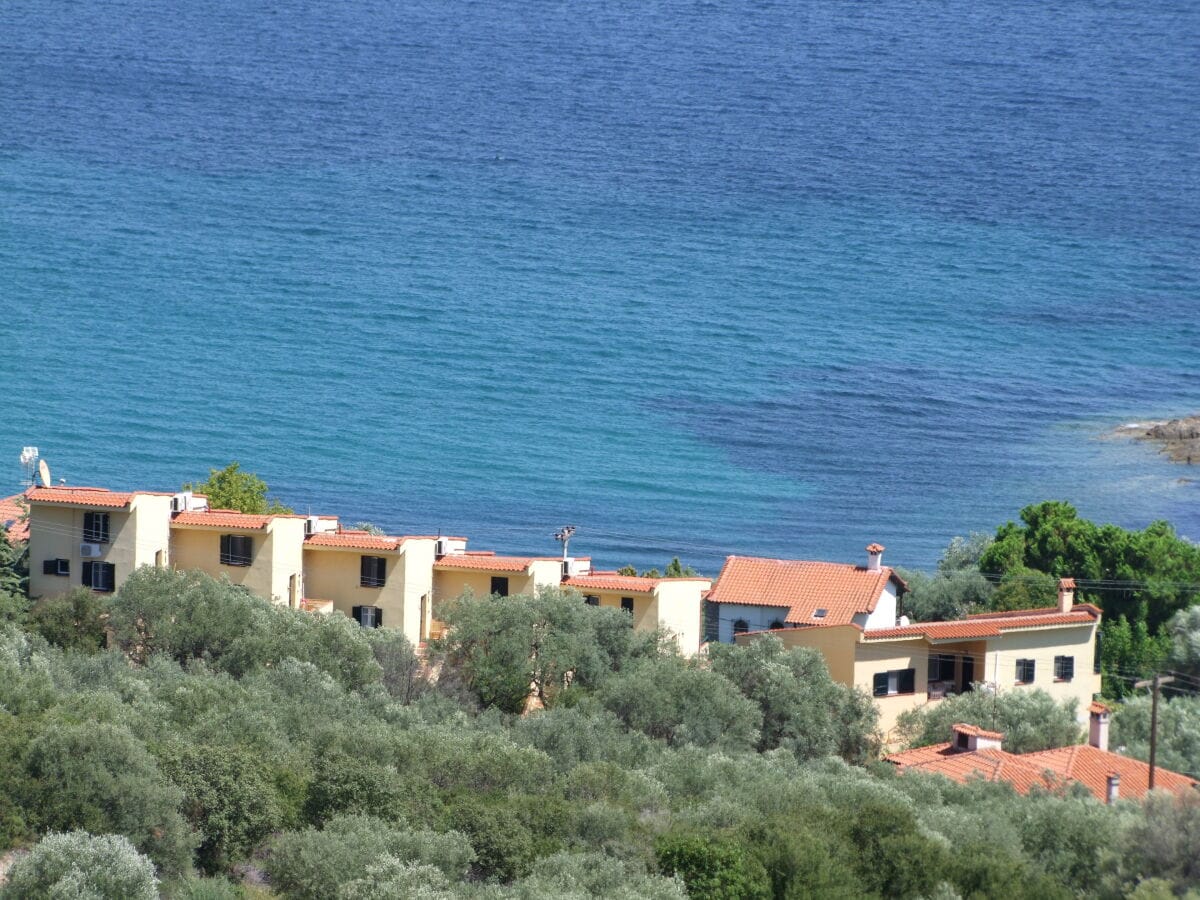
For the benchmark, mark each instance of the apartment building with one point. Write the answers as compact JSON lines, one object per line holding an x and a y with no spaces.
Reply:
{"x":96,"y":538}
{"x":905,"y":665}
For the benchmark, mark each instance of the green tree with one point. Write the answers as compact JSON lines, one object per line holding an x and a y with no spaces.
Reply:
{"x":228,"y":796}
{"x":678,"y":701}
{"x":14,"y":579}
{"x":1129,"y":653}
{"x":803,"y":709}
{"x":1029,"y":720}
{"x":232,"y":488}
{"x":1184,"y":636}
{"x":84,"y":866}
{"x":1178,"y":731}
{"x":675,"y":569}
{"x":101,"y":779}
{"x":713,"y":867}
{"x":74,"y":620}
{"x":504,"y":649}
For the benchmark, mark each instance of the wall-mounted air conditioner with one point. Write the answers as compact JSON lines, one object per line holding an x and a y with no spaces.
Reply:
{"x":441,"y":547}
{"x":312,"y":525}
{"x":88,"y":551}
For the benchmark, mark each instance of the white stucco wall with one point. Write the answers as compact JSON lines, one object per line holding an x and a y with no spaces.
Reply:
{"x":884,"y":615}
{"x":759,"y":618}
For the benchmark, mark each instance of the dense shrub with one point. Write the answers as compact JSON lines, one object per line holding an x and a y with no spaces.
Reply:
{"x":314,"y":864}
{"x":73,"y":621}
{"x":682,"y":703}
{"x":100,"y":778}
{"x":84,"y":866}
{"x":712,"y":866}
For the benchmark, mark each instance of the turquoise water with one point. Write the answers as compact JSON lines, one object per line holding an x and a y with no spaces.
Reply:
{"x":780,"y":279}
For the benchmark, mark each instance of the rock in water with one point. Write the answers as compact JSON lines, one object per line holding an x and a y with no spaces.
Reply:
{"x":1180,"y":438}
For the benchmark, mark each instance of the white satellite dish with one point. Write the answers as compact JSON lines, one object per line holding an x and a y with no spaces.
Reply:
{"x":43,"y":473}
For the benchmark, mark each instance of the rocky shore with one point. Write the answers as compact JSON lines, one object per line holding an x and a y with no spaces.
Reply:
{"x":1179,"y":438}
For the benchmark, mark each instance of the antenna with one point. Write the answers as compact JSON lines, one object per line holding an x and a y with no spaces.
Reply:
{"x":29,"y":458}
{"x":43,"y":473}
{"x":563,"y":535}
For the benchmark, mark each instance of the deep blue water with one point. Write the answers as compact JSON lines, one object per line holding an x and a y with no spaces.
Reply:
{"x":777,"y":278}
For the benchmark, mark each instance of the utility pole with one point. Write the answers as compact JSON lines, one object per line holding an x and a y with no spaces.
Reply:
{"x":1154,"y":684}
{"x":563,"y":536}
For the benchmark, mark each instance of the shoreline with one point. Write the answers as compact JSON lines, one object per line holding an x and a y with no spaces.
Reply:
{"x":1178,"y":439}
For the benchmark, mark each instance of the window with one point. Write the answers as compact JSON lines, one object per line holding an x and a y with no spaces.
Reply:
{"x":820,"y":613}
{"x":56,"y":567}
{"x":591,"y":600}
{"x":627,"y":604}
{"x":741,"y":626}
{"x":367,"y":616}
{"x":776,"y":623}
{"x":1097,"y":651}
{"x":500,"y":586}
{"x":372,"y":571}
{"x":100,"y":576}
{"x":962,"y":741}
{"x":95,"y":528}
{"x":895,"y":681}
{"x":1024,"y":671}
{"x":236,"y":549}
{"x":941,"y":667}
{"x":1064,"y":668}
{"x":712,"y":621}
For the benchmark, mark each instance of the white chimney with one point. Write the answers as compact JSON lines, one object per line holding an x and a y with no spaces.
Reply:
{"x":1098,"y":725}
{"x":874,"y":557}
{"x":1066,"y":594}
{"x":1114,"y":787}
{"x":972,"y":737}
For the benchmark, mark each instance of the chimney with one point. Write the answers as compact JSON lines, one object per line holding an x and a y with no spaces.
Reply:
{"x":874,"y":557}
{"x":1066,"y":594}
{"x":1098,"y":715}
{"x":1114,"y":788}
{"x":971,"y":737}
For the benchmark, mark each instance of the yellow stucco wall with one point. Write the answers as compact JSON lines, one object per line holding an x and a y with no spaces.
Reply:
{"x":644,"y":617}
{"x":136,"y":536}
{"x":1042,"y":646}
{"x":277,"y":555}
{"x":451,"y":583}
{"x":677,"y":607}
{"x":836,"y":645}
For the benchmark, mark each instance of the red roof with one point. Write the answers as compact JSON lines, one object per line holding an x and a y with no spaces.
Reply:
{"x":976,"y":731}
{"x":486,"y":563}
{"x":842,"y":590}
{"x":352,"y":540}
{"x":221,"y":518}
{"x":84,"y":496}
{"x":1091,"y":766}
{"x":634,"y":584}
{"x":1083,"y":763}
{"x":987,"y":625}
{"x":11,"y":511}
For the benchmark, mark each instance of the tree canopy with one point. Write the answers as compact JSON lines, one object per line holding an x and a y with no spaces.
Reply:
{"x":233,"y":488}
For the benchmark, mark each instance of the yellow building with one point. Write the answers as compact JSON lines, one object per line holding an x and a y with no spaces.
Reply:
{"x":672,"y":604}
{"x":93,"y":537}
{"x":911,"y":665}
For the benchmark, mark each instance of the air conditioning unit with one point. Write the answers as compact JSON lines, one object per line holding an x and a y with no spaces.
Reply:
{"x":566,"y":568}
{"x":442,"y":547}
{"x":88,"y":551}
{"x":312,"y":525}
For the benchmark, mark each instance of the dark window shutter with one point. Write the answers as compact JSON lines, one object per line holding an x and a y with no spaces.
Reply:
{"x":908,"y":681}
{"x":1068,"y":668}
{"x":50,"y":567}
{"x":86,"y":580}
{"x":108,"y":577}
{"x":881,"y":684}
{"x":356,"y":614}
{"x":1098,"y":652}
{"x":500,"y":586}
{"x":364,"y":570}
{"x":226,"y":554}
{"x":627,"y":604}
{"x":378,"y":618}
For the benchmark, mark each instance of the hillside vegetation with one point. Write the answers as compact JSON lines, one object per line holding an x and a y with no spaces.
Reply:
{"x":223,"y":740}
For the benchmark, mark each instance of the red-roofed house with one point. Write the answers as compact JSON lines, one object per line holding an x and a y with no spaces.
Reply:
{"x":673,"y":604}
{"x":13,"y":522}
{"x":976,"y":754}
{"x":905,"y":666}
{"x":93,"y":537}
{"x":753,"y":594}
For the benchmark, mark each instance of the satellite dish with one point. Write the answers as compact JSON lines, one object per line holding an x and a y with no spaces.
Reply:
{"x":43,"y":473}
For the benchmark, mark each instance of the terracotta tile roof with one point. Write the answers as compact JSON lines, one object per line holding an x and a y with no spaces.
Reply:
{"x":1049,"y":769}
{"x":352,"y":540}
{"x":976,"y":731}
{"x":844,"y":591}
{"x":86,"y":496}
{"x":1097,"y":708}
{"x":1091,"y":766}
{"x":963,"y":766}
{"x":991,"y":626}
{"x":221,"y":518}
{"x":485,"y":562}
{"x":11,"y":510}
{"x":1040,"y":611}
{"x":604,"y":582}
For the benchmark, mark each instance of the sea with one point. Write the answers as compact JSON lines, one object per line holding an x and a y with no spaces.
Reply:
{"x":782,"y":277}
